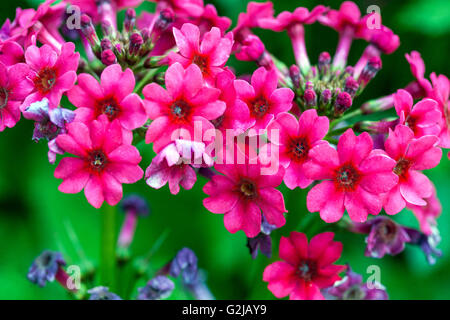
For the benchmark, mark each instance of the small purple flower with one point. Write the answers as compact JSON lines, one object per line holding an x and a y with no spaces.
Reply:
{"x":384,"y":236}
{"x":45,"y":267}
{"x":160,"y":287}
{"x":185,"y":263}
{"x":49,"y":124}
{"x":133,"y":206}
{"x":352,"y":287}
{"x":262,"y":241}
{"x":427,"y":243}
{"x":102,"y":293}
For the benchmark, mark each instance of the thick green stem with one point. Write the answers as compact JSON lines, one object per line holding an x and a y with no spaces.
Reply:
{"x":346,"y":116}
{"x":108,"y":248}
{"x":145,"y":80}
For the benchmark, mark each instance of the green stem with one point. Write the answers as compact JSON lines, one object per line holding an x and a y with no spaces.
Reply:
{"x":108,"y":248}
{"x":346,"y":116}
{"x":148,"y":76}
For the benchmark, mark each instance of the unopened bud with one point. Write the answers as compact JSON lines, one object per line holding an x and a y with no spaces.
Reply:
{"x":136,"y":43}
{"x":351,"y":86}
{"x":370,"y":70}
{"x":89,"y":31}
{"x":310,"y":98}
{"x":324,"y":63}
{"x":130,"y":20}
{"x":294,"y":73}
{"x":108,"y":57}
{"x":343,"y":103}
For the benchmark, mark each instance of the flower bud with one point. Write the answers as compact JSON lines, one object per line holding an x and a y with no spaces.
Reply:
{"x":294,"y":73}
{"x":343,"y":103}
{"x":89,"y":31}
{"x":351,"y":85}
{"x":157,"y":288}
{"x":324,"y":63}
{"x":108,"y":57}
{"x":130,"y":20}
{"x":162,"y":23}
{"x":370,"y":70}
{"x":310,"y":98}
{"x":136,"y":43}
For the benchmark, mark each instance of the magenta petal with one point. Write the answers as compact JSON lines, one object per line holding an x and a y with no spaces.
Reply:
{"x":281,"y":278}
{"x":94,"y":191}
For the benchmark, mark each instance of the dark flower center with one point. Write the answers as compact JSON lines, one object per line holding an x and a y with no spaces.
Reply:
{"x":386,"y":230}
{"x":411,"y":123}
{"x":3,"y":97}
{"x":108,"y":107}
{"x":201,"y":62}
{"x":402,"y":167}
{"x":354,"y":293}
{"x":248,"y":189}
{"x":97,"y":160}
{"x":48,"y":129}
{"x":44,"y":260}
{"x":347,"y":177}
{"x":307,"y":270}
{"x":180,"y":111}
{"x":45,"y":80}
{"x":299,"y":149}
{"x":259,"y":107}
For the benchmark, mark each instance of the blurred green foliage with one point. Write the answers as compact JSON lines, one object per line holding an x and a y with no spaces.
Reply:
{"x":33,"y":214}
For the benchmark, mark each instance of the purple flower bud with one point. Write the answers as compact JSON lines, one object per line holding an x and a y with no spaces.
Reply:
{"x":162,"y":23}
{"x":106,"y":44}
{"x":136,"y":204}
{"x":294,"y":73}
{"x":61,"y":116}
{"x":185,"y":263}
{"x":349,"y":70}
{"x":102,"y":293}
{"x":384,"y":236}
{"x":160,"y":287}
{"x":352,"y":287}
{"x":262,"y":241}
{"x":324,"y":63}
{"x":310,"y":98}
{"x":88,"y":30}
{"x":136,"y":43}
{"x":370,"y":70}
{"x":45,"y":267}
{"x":130,"y":20}
{"x":325,"y":97}
{"x":427,"y":243}
{"x":108,"y":57}
{"x":343,"y":102}
{"x":351,"y":85}
{"x":107,"y":29}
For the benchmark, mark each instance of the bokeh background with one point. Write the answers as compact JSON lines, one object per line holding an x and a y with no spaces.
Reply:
{"x":34,"y":216}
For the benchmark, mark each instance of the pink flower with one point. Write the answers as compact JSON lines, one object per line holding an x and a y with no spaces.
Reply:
{"x":11,"y":53}
{"x":251,"y":19}
{"x":423,"y":118}
{"x":286,"y":19}
{"x":236,"y":116}
{"x":348,"y":15}
{"x":250,"y":49}
{"x":52,"y":73}
{"x":14,"y":88}
{"x":113,"y":97}
{"x":427,"y":214}
{"x":210,"y":19}
{"x":186,"y":102}
{"x":190,"y":8}
{"x":418,"y":70}
{"x":356,"y":176}
{"x":241,"y":193}
{"x":104,"y":160}
{"x":98,"y":10}
{"x":412,"y":155}
{"x":385,"y":40}
{"x":210,"y":55}
{"x":262,"y":97}
{"x":173,"y":165}
{"x":296,"y":139}
{"x":306,"y":268}
{"x":43,"y":23}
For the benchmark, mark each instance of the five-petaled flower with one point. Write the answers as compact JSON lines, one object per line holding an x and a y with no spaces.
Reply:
{"x":306,"y":268}
{"x":355,"y":177}
{"x":104,"y":160}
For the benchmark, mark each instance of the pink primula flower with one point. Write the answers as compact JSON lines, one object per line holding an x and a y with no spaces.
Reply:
{"x":285,"y":20}
{"x":185,"y":105}
{"x":104,"y":160}
{"x":183,"y":8}
{"x":412,"y":156}
{"x":241,"y":193}
{"x":236,"y":116}
{"x":52,"y":73}
{"x":101,"y":9}
{"x":423,"y":118}
{"x":251,"y":19}
{"x":306,"y":268}
{"x":14,"y":88}
{"x":210,"y":55}
{"x":113,"y":97}
{"x":348,"y":16}
{"x":295,"y":140}
{"x":173,"y":165}
{"x":355,"y":177}
{"x":11,"y":53}
{"x":262,"y":97}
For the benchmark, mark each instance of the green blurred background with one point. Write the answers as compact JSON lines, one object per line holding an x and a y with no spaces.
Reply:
{"x":33,"y":213}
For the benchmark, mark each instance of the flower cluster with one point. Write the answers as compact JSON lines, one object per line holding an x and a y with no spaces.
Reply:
{"x":163,"y":78}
